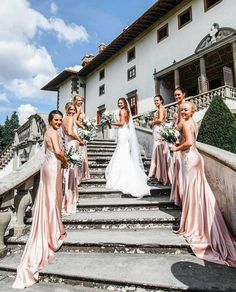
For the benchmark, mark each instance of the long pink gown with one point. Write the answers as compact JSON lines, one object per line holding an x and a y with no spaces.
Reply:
{"x":71,"y":177}
{"x":47,"y":231}
{"x":202,"y":223}
{"x":175,"y":174}
{"x":84,"y":172}
{"x":159,"y":162}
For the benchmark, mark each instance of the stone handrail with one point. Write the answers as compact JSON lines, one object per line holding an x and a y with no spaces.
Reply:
{"x":31,"y":131}
{"x":201,"y":100}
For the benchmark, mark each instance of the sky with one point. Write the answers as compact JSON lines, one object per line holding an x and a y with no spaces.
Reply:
{"x":39,"y":39}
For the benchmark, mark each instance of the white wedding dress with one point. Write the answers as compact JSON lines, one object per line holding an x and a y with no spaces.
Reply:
{"x":125,"y":170}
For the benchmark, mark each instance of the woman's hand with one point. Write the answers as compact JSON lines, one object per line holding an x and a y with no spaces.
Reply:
{"x":151,"y":123}
{"x":173,"y":148}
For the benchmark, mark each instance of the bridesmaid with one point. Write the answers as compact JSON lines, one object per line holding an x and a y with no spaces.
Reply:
{"x":47,"y":231}
{"x":201,"y":223}
{"x":175,"y":172}
{"x":71,"y":173}
{"x":79,"y":116}
{"x":159,"y":165}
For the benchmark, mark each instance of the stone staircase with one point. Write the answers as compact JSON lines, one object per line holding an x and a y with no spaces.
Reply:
{"x":119,"y":243}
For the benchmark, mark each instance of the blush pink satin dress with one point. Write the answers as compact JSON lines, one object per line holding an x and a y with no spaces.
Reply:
{"x":70,"y":181}
{"x":175,"y":174}
{"x":84,"y":172}
{"x":202,"y":223}
{"x":85,"y":167}
{"x":47,"y":231}
{"x":159,"y":168}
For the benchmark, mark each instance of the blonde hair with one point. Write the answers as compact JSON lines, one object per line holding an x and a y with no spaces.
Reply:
{"x":192,"y":104}
{"x":68,"y":105}
{"x":75,"y":97}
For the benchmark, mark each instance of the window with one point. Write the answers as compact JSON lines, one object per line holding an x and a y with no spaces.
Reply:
{"x":185,"y":17}
{"x":162,"y":33}
{"x":101,"y":74}
{"x":102,"y":89}
{"x":208,"y":4}
{"x":131,"y":73}
{"x":133,"y":104}
{"x":101,"y":109}
{"x":131,"y":55}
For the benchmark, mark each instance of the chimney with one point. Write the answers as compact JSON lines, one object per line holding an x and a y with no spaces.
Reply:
{"x":86,"y":59}
{"x":101,"y":47}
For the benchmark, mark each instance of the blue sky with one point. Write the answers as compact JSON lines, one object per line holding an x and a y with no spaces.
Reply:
{"x":38,"y":39}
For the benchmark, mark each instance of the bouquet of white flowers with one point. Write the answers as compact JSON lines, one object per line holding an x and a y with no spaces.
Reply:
{"x":90,"y":131}
{"x":107,"y":119}
{"x":169,"y":134}
{"x":74,"y":157}
{"x":148,"y":116}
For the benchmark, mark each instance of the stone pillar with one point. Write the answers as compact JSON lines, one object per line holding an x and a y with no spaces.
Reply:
{"x":234,"y":61}
{"x":177,"y":79}
{"x":203,"y":77}
{"x":157,"y":86}
{"x":5,"y":218}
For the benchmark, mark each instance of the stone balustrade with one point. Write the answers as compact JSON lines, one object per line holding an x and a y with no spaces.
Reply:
{"x":201,"y":100}
{"x":19,"y":179}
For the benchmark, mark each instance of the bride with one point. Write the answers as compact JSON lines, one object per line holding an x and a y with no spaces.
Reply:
{"x":125,"y":170}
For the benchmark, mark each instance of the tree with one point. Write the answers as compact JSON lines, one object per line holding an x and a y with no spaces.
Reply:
{"x":218,"y":127}
{"x":1,"y":138}
{"x":7,"y":132}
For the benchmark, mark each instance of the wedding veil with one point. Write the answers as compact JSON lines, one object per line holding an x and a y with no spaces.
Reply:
{"x":133,"y":142}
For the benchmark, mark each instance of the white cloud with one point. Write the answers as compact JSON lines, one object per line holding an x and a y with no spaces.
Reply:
{"x":25,"y":66}
{"x":76,"y":67}
{"x":24,"y":111}
{"x":3,"y":97}
{"x":53,"y":8}
{"x":71,"y":33}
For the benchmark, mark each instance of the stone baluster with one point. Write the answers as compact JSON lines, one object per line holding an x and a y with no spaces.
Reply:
{"x":21,"y":201}
{"x":5,"y":218}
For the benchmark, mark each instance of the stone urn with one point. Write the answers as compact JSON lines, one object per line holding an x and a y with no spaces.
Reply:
{"x":5,"y":218}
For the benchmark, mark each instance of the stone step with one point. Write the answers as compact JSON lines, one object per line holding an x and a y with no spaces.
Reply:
{"x":100,"y":174}
{"x":92,"y":155}
{"x":123,"y":203}
{"x":95,"y":147}
{"x":100,"y":150}
{"x":102,"y":143}
{"x":132,"y":272}
{"x":45,"y":284}
{"x":102,"y":192}
{"x":98,"y":193}
{"x":101,"y":140}
{"x":101,"y":183}
{"x":157,"y":240}
{"x":122,"y":219}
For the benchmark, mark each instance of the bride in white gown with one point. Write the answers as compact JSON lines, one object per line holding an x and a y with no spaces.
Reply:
{"x":125,"y":171}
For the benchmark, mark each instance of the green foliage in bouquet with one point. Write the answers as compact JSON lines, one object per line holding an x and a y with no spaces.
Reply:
{"x":90,"y":131}
{"x":74,"y":157}
{"x":169,"y":134}
{"x":107,"y":119}
{"x":218,"y":127}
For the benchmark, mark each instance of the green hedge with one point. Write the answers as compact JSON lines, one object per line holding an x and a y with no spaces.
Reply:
{"x":218,"y":127}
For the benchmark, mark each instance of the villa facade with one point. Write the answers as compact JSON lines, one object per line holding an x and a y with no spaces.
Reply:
{"x":175,"y":42}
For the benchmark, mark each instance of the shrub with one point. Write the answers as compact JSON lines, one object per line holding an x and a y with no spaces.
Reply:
{"x":218,"y":127}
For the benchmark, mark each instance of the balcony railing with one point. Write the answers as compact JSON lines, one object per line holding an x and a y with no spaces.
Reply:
{"x":201,"y":100}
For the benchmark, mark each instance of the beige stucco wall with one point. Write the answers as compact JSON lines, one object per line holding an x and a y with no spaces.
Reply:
{"x":220,"y":168}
